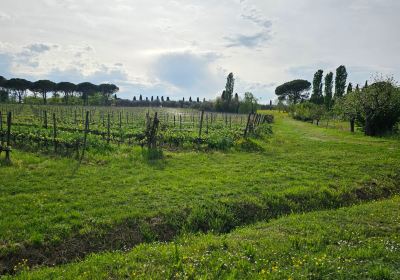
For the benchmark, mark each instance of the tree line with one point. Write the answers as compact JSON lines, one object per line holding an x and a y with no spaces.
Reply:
{"x":374,"y":108}
{"x":16,"y":90}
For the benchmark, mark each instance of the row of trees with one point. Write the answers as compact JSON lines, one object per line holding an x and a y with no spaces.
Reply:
{"x":227,"y":102}
{"x":105,"y":94}
{"x":17,"y":90}
{"x":375,"y":108}
{"x":297,"y":91}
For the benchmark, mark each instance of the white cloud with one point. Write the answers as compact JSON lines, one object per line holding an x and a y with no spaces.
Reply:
{"x":154,"y":46}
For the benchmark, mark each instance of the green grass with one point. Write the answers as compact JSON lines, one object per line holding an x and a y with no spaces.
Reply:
{"x":119,"y":199}
{"x":359,"y":242}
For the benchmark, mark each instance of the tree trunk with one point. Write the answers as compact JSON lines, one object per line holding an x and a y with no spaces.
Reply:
{"x":368,"y":129}
{"x":352,"y":125}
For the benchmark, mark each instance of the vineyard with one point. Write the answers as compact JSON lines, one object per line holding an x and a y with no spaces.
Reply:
{"x":70,"y":130}
{"x":107,"y":215}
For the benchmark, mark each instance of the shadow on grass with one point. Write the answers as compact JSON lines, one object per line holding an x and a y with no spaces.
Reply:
{"x":154,"y":158}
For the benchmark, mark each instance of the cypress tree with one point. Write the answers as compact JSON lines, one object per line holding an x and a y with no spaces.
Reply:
{"x":316,"y":96}
{"x":340,"y":81}
{"x":349,"y":88}
{"x":328,"y":90}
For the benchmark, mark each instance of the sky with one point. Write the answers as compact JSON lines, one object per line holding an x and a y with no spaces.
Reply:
{"x":182,"y":48}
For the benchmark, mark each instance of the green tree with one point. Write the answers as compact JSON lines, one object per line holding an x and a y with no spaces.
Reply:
{"x":67,"y":89}
{"x":328,"y":90}
{"x":18,"y":87}
{"x":229,"y":87}
{"x":340,"y":81}
{"x":248,"y":104}
{"x":375,"y":108}
{"x":3,"y":90}
{"x":293,"y":91}
{"x":349,"y":88}
{"x":349,"y":107}
{"x":43,"y":87}
{"x":107,"y":91}
{"x":2,"y":81}
{"x":316,"y":96}
{"x":86,"y":89}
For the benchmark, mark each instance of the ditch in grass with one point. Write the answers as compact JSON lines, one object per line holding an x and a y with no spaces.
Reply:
{"x":359,"y":242}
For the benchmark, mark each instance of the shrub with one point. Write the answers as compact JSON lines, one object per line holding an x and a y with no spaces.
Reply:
{"x":375,"y":108}
{"x":307,"y":111}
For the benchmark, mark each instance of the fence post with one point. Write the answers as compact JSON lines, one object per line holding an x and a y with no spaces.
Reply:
{"x":85,"y":135}
{"x":45,"y":119}
{"x":201,"y":123}
{"x":180,"y":122}
{"x":8,"y":148}
{"x":247,"y":125}
{"x":207,"y":124}
{"x":108,"y":128}
{"x":54,"y":132}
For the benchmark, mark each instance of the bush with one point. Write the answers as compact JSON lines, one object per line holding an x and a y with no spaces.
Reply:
{"x":376,"y":108}
{"x":307,"y":111}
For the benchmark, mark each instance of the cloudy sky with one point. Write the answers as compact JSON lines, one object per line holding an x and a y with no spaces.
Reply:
{"x":187,"y":48}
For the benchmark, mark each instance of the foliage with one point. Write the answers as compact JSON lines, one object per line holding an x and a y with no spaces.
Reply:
{"x":328,"y":101}
{"x":18,"y":88}
{"x":317,"y":96}
{"x":308,"y":111}
{"x":226,"y":103}
{"x":375,"y":108}
{"x":67,"y":89}
{"x":43,"y":87}
{"x":340,"y":81}
{"x":248,"y":104}
{"x":293,"y":91}
{"x":86,"y":89}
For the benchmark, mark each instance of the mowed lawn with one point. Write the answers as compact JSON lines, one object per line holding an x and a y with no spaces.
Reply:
{"x":45,"y":199}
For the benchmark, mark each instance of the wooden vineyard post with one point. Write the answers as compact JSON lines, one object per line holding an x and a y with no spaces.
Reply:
{"x":201,"y":123}
{"x":152,"y":134}
{"x":85,"y":135}
{"x":247,"y":126}
{"x":180,"y":122}
{"x":8,"y":147}
{"x":54,"y":132}
{"x":174,"y":120}
{"x":207,"y":124}
{"x":45,"y":119}
{"x":108,"y":128}
{"x":75,"y":117}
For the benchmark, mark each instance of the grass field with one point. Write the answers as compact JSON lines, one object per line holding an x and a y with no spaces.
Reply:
{"x":54,"y":211}
{"x":359,"y":242}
